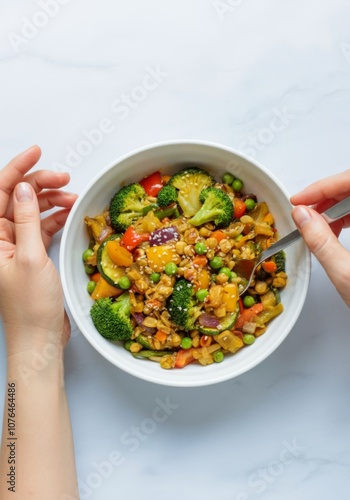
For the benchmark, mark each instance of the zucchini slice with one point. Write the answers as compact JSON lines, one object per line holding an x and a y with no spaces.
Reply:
{"x":108,"y":270}
{"x":226,"y":323}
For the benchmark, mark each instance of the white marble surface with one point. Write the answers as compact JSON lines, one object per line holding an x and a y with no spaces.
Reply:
{"x":225,"y":70}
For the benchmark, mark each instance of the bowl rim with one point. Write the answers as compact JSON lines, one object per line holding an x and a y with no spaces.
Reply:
{"x":150,"y":377}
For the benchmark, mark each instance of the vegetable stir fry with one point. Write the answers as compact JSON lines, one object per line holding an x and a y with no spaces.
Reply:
{"x":161,"y":266}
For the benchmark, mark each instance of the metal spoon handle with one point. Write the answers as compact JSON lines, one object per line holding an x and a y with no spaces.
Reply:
{"x":332,"y":214}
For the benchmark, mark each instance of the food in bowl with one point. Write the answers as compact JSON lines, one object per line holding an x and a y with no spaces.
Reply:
{"x":161,"y":265}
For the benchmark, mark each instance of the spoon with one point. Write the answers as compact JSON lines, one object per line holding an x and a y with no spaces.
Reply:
{"x":245,"y":268}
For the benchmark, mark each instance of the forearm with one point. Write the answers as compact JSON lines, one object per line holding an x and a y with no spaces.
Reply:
{"x":37,"y":453}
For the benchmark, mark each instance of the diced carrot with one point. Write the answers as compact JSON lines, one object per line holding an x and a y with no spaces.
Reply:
{"x":248,"y":315}
{"x":95,"y":277}
{"x":120,"y":255}
{"x":205,"y":340}
{"x":154,"y":303}
{"x":269,"y":266}
{"x":103,"y":290}
{"x":165,"y":179}
{"x":161,"y":336}
{"x":184,"y":357}
{"x":200,"y":260}
{"x":218,"y":235}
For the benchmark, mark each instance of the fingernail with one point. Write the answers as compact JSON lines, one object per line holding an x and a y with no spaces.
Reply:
{"x":23,"y":192}
{"x":301,"y":216}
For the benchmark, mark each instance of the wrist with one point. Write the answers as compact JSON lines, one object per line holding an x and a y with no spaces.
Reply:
{"x":33,"y":341}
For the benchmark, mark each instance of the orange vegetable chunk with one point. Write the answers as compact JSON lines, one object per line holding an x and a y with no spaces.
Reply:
{"x":118,"y":254}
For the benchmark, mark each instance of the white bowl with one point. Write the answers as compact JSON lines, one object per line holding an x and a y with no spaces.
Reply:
{"x":168,"y":158}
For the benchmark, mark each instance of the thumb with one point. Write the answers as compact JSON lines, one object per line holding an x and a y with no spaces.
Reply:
{"x":325,"y":246}
{"x":27,"y":221}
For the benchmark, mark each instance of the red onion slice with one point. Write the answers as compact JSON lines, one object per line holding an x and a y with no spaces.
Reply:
{"x":161,"y":236}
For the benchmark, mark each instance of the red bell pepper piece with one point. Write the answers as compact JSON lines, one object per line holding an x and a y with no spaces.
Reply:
{"x":184,"y":357}
{"x":239,"y":209}
{"x":152,"y":184}
{"x":248,"y":315}
{"x":131,"y":239}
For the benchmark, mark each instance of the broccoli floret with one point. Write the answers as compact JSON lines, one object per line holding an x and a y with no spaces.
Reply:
{"x":166,"y":196}
{"x":217,"y":207}
{"x":189,"y":184}
{"x":127,"y":206}
{"x":182,"y":305}
{"x":112,"y":319}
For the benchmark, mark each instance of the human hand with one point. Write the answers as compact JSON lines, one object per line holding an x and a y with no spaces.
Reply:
{"x":31,"y":297}
{"x":321,"y":238}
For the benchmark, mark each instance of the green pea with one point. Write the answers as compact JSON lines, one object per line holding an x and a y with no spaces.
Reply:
{"x":127,"y":344}
{"x":186,"y":343}
{"x":87,"y":254}
{"x":237,"y":185}
{"x":200,"y":248}
{"x":124,"y":283}
{"x":91,"y":286}
{"x":227,"y":271}
{"x":218,"y":356}
{"x":248,"y":301}
{"x":202,"y":294}
{"x":250,"y":204}
{"x":227,"y":178}
{"x":89,"y":269}
{"x":216,"y":263}
{"x":170,"y":269}
{"x":233,"y":275}
{"x":155,"y":277}
{"x":248,"y":338}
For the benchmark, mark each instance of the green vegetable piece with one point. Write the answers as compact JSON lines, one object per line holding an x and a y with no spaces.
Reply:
{"x":127,"y":206}
{"x":91,"y":286}
{"x":228,"y":178}
{"x":227,"y":271}
{"x":167,"y":196}
{"x":202,"y":295}
{"x":186,"y":343}
{"x":217,"y":207}
{"x":237,"y":185}
{"x":170,"y":269}
{"x":150,"y":354}
{"x":107,"y":268}
{"x":165,"y":212}
{"x":112,"y":318}
{"x":218,"y":356}
{"x":280,"y":261}
{"x":226,"y":323}
{"x":182,"y":305}
{"x":124,"y":283}
{"x":250,"y":204}
{"x":248,"y":338}
{"x":216,"y":263}
{"x":127,"y":344}
{"x":155,"y":277}
{"x":148,"y":208}
{"x":144,"y":341}
{"x":87,"y":254}
{"x":89,"y":269}
{"x":200,"y":248}
{"x":189,"y":184}
{"x":248,"y":301}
